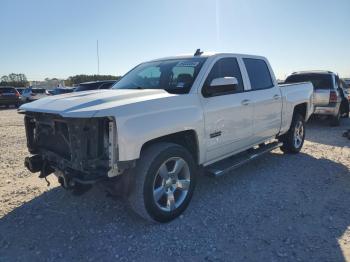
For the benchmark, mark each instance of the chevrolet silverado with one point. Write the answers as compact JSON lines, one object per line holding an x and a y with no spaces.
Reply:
{"x":163,"y":122}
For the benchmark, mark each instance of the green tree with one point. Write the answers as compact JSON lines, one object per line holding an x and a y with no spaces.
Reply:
{"x":15,"y":80}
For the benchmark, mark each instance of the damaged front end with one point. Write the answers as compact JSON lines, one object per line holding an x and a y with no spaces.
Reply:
{"x":79,"y":151}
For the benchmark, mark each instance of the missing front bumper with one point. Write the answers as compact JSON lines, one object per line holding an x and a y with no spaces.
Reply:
{"x":83,"y":149}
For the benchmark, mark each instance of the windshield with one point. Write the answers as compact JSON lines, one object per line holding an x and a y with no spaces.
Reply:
{"x":319,"y":81}
{"x":174,"y":76}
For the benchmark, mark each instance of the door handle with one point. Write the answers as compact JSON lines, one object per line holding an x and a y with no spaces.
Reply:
{"x":245,"y":102}
{"x":276,"y":97}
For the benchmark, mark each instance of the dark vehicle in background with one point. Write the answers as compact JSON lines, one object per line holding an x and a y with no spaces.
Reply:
{"x":60,"y":91}
{"x":106,"y":84}
{"x":329,"y":99}
{"x":9,"y":96}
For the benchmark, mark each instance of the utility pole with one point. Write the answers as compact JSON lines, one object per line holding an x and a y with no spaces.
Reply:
{"x":98,"y":60}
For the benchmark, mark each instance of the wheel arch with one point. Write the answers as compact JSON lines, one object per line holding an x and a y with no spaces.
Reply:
{"x":188,"y":139}
{"x":301,"y":109}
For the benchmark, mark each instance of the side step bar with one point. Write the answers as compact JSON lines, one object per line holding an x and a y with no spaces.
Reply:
{"x":228,"y":164}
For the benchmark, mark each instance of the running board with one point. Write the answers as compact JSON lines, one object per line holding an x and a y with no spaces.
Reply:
{"x":228,"y":164}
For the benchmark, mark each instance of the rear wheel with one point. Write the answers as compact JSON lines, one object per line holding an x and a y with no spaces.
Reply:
{"x":293,"y":140}
{"x":165,"y":178}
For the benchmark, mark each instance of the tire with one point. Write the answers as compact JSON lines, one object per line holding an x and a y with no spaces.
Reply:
{"x":151,"y":196}
{"x":335,"y":120}
{"x":293,"y":140}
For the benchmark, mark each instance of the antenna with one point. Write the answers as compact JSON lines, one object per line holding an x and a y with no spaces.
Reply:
{"x":98,"y":60}
{"x":198,"y":52}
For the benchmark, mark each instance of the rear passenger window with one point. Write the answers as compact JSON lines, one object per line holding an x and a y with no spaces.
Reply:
{"x":226,"y":67}
{"x":259,"y":73}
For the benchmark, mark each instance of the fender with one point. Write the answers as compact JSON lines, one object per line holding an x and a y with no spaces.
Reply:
{"x":136,"y":126}
{"x":292,"y":96}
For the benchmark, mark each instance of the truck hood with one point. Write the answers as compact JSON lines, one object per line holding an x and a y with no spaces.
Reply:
{"x":90,"y":103}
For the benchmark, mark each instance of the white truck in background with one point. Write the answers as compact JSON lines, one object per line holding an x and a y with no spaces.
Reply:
{"x":330,"y":96}
{"x":148,"y":136}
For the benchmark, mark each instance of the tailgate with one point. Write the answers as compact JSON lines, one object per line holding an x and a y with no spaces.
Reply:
{"x":321,"y":97}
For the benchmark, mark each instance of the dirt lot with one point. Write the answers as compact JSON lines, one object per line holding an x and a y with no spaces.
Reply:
{"x":278,"y":208}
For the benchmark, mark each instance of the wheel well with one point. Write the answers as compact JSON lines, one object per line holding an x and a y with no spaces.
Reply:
{"x":187,"y":139}
{"x":301,"y":109}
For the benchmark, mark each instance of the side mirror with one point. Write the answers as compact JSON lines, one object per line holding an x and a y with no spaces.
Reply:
{"x":221,"y":85}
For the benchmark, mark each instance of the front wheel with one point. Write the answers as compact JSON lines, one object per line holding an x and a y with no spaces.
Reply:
{"x":165,"y":178}
{"x":293,"y":140}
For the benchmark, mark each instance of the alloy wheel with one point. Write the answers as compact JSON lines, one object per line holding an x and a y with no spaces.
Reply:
{"x":171,"y":184}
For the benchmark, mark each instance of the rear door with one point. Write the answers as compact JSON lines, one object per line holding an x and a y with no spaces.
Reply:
{"x":266,"y":98}
{"x":228,"y":116}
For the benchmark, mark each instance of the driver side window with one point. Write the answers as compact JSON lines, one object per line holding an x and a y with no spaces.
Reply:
{"x":225,"y":67}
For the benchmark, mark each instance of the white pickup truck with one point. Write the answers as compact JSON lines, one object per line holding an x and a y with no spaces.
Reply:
{"x":165,"y":120}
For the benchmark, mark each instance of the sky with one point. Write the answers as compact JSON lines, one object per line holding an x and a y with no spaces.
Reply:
{"x":42,"y":38}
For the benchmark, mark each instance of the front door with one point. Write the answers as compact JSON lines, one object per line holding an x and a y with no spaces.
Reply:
{"x":228,"y":116}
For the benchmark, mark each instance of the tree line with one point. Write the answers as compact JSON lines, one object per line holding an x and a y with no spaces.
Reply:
{"x":20,"y":80}
{"x":15,"y":80}
{"x":77,"y":79}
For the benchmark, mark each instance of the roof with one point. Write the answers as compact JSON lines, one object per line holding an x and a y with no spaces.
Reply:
{"x":314,"y":72}
{"x":204,"y":54}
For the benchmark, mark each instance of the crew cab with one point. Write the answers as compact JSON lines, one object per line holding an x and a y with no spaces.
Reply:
{"x":166,"y":119}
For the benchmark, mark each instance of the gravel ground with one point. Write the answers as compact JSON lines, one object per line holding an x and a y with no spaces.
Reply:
{"x":277,"y":208}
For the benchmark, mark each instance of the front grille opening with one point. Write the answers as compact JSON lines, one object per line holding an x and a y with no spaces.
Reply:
{"x":81,"y":142}
{"x":54,"y":137}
